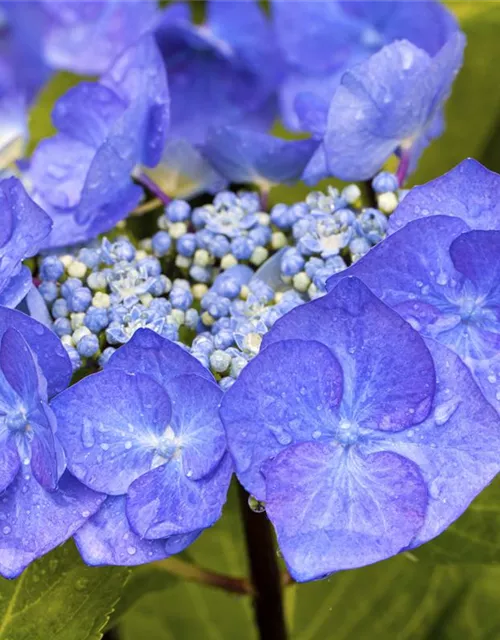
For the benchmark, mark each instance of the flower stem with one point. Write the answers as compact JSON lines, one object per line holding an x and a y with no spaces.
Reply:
{"x":265,"y":573}
{"x":191,"y":572}
{"x":151,"y":185}
{"x":404,"y":165}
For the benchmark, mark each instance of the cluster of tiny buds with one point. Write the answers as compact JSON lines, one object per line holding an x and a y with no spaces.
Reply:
{"x":240,"y":270}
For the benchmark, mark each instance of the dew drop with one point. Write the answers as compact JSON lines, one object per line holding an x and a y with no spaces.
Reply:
{"x":444,"y":411}
{"x":131,"y":551}
{"x":256,"y":505}
{"x":88,"y":434}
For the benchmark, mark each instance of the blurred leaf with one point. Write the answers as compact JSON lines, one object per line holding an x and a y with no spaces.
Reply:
{"x":397,"y":599}
{"x":188,"y":610}
{"x":59,"y":598}
{"x":143,"y":580}
{"x":473,"y":111}
{"x":473,"y":538}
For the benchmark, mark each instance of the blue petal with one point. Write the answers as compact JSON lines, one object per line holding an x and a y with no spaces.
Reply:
{"x":13,"y":127}
{"x":139,"y":77}
{"x":24,"y":228}
{"x":149,"y":353}
{"x":456,"y":447}
{"x":384,"y":102}
{"x":288,"y":393}
{"x":242,"y":155}
{"x":110,"y":425}
{"x":469,"y":191}
{"x":409,"y":265}
{"x":228,"y":66}
{"x":9,"y":459}
{"x":44,"y":461}
{"x":34,"y":521}
{"x":347,"y":511}
{"x":16,"y":288}
{"x":18,"y":366}
{"x":477,"y":256}
{"x":196,"y":422}
{"x":388,"y":371}
{"x":164,"y":502}
{"x":51,"y":356}
{"x":107,"y":538}
{"x":86,"y":37}
{"x":35,"y":306}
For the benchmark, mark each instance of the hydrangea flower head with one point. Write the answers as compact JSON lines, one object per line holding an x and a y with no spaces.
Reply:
{"x":157,"y":450}
{"x":82,"y":176}
{"x":362,"y":438}
{"x":390,"y":103}
{"x":222,"y":72}
{"x":445,"y":280}
{"x":469,"y":191}
{"x":42,"y":504}
{"x":316,"y":61}
{"x":23,"y":230}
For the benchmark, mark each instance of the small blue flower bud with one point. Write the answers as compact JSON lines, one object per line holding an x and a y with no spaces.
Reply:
{"x":60,"y":308}
{"x":89,"y":257}
{"x":291,"y":262}
{"x":261,"y":235}
{"x":219,"y":246}
{"x":48,"y":290}
{"x":51,"y":268}
{"x":178,"y":210}
{"x":223,"y":339}
{"x":96,"y":319}
{"x":384,"y":182}
{"x":74,"y":356}
{"x":242,"y":248}
{"x":80,"y":299}
{"x":200,"y":274}
{"x":187,"y":245}
{"x":105,"y":356}
{"x":62,"y":327}
{"x":203,"y":344}
{"x":192,"y":318}
{"x":180,"y":298}
{"x":88,"y":346}
{"x":160,"y":307}
{"x":151,"y":266}
{"x":226,"y":383}
{"x":69,"y":286}
{"x":161,"y":243}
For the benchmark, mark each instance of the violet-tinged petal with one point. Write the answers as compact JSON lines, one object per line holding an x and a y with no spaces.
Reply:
{"x":196,"y":423}
{"x":14,"y":290}
{"x":9,"y":458}
{"x":456,"y":447}
{"x":469,"y":191}
{"x":412,"y":265}
{"x":243,"y":155}
{"x":289,"y":393}
{"x":106,"y":538}
{"x":35,"y":306}
{"x":149,"y":353}
{"x":35,"y":521}
{"x":164,"y":502}
{"x":86,"y":37}
{"x":23,"y":231}
{"x":386,"y":103}
{"x":111,"y":426}
{"x":388,"y":371}
{"x":51,"y":356}
{"x":476,"y":255}
{"x":18,"y":366}
{"x":347,"y":511}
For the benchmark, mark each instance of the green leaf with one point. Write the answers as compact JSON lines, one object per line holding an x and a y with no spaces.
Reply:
{"x":474,"y":538}
{"x":59,"y":598}
{"x":397,"y":599}
{"x":472,"y":112}
{"x":189,"y":610}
